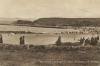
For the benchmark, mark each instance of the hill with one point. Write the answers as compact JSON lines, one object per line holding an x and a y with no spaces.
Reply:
{"x":64,"y":22}
{"x":22,"y":22}
{"x":60,"y":22}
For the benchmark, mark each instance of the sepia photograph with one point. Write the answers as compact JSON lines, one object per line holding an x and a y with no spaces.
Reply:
{"x":49,"y":32}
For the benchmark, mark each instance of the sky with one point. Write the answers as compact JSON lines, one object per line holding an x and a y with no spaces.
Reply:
{"x":50,"y":8}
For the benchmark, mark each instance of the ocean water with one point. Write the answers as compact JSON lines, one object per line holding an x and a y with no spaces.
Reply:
{"x":48,"y":36}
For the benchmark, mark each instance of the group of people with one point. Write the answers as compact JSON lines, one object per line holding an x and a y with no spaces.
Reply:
{"x":89,"y":41}
{"x":83,"y":41}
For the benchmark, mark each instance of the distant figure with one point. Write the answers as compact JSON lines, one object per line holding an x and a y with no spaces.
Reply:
{"x":58,"y":42}
{"x":1,"y":40}
{"x":94,"y":41}
{"x":22,"y":40}
{"x":97,"y":37}
{"x":82,"y":41}
{"x":87,"y":41}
